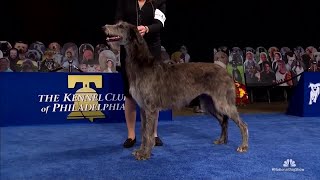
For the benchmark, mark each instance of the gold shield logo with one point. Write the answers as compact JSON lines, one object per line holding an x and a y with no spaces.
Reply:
{"x":86,"y":104}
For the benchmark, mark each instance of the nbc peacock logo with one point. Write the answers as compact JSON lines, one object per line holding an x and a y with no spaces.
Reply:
{"x":288,"y":165}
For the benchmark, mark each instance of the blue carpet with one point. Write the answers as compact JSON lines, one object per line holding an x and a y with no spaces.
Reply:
{"x":94,"y":151}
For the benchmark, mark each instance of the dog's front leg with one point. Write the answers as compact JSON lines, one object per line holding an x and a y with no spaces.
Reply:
{"x":311,"y":99}
{"x":148,"y":119}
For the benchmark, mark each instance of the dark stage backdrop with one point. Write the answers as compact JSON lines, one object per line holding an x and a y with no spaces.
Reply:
{"x":200,"y":25}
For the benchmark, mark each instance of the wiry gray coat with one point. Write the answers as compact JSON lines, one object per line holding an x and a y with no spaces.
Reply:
{"x":158,"y":86}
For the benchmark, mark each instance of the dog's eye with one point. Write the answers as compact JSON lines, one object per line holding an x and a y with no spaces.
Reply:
{"x":121,"y":26}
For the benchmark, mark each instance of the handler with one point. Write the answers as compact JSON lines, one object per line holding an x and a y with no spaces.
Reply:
{"x":149,"y":17}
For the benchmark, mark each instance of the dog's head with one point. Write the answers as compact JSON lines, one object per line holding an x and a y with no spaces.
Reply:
{"x":272,"y":50}
{"x":55,"y":47}
{"x":91,"y":68}
{"x":33,"y":55}
{"x":27,"y":66}
{"x":122,"y":32}
{"x":5,"y":46}
{"x":316,"y":56}
{"x":49,"y":54}
{"x":21,"y":46}
{"x":236,"y":50}
{"x":249,"y":49}
{"x":291,"y":57}
{"x":222,"y":57}
{"x":315,"y":87}
{"x":284,"y":50}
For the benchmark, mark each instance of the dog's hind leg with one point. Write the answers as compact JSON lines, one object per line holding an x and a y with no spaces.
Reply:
{"x":232,"y":112}
{"x":148,"y":119}
{"x":207,"y":104}
{"x":223,"y":120}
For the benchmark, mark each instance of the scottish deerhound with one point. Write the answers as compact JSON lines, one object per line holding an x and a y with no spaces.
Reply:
{"x":157,"y":86}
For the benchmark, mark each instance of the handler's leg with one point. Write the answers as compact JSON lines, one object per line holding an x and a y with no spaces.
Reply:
{"x":158,"y":141}
{"x":130,"y":115}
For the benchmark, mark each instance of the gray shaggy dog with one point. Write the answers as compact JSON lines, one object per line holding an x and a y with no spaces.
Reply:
{"x":157,"y":86}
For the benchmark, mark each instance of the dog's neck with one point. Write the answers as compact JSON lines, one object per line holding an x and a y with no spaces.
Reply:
{"x":139,"y":54}
{"x":221,"y":64}
{"x":138,"y":58}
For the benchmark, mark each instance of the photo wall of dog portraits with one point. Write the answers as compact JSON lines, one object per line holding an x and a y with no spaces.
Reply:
{"x":36,"y":57}
{"x":252,"y":66}
{"x":268,"y":66}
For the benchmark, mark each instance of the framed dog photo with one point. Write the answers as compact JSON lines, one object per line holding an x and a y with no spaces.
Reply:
{"x":27,"y":61}
{"x":224,"y":49}
{"x":299,"y":51}
{"x":39,"y":46}
{"x":98,"y":49}
{"x":88,"y":62}
{"x":5,"y":46}
{"x":86,"y":54}
{"x":235,"y":65}
{"x":262,"y":55}
{"x":27,"y":65}
{"x":308,"y":56}
{"x":107,"y":61}
{"x":282,"y":74}
{"x":48,"y":63}
{"x":293,"y":65}
{"x":56,"y":48}
{"x":22,"y":49}
{"x":13,"y":57}
{"x":316,"y":58}
{"x":221,"y":58}
{"x":271,"y":51}
{"x":277,"y":57}
{"x":35,"y":55}
{"x":70,"y":55}
{"x":251,"y":69}
{"x":249,"y":49}
{"x":284,"y":50}
{"x":4,"y":64}
{"x":266,"y":75}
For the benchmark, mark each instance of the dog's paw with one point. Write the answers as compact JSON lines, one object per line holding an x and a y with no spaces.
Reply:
{"x":220,"y":141}
{"x":140,"y":154}
{"x":242,"y":148}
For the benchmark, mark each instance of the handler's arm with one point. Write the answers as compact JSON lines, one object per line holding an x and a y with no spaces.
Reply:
{"x":159,"y":19}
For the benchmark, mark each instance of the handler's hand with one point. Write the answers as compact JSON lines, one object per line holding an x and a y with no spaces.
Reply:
{"x":142,"y":30}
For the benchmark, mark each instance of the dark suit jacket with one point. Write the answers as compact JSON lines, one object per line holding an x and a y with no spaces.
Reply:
{"x":129,"y":11}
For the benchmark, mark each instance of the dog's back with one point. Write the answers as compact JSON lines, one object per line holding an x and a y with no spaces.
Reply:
{"x":174,"y":86}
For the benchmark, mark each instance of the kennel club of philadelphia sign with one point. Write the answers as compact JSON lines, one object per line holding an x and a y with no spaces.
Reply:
{"x":58,"y":98}
{"x":85,"y":102}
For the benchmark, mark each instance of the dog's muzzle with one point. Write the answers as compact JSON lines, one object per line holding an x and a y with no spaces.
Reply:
{"x":113,"y":38}
{"x":110,"y":37}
